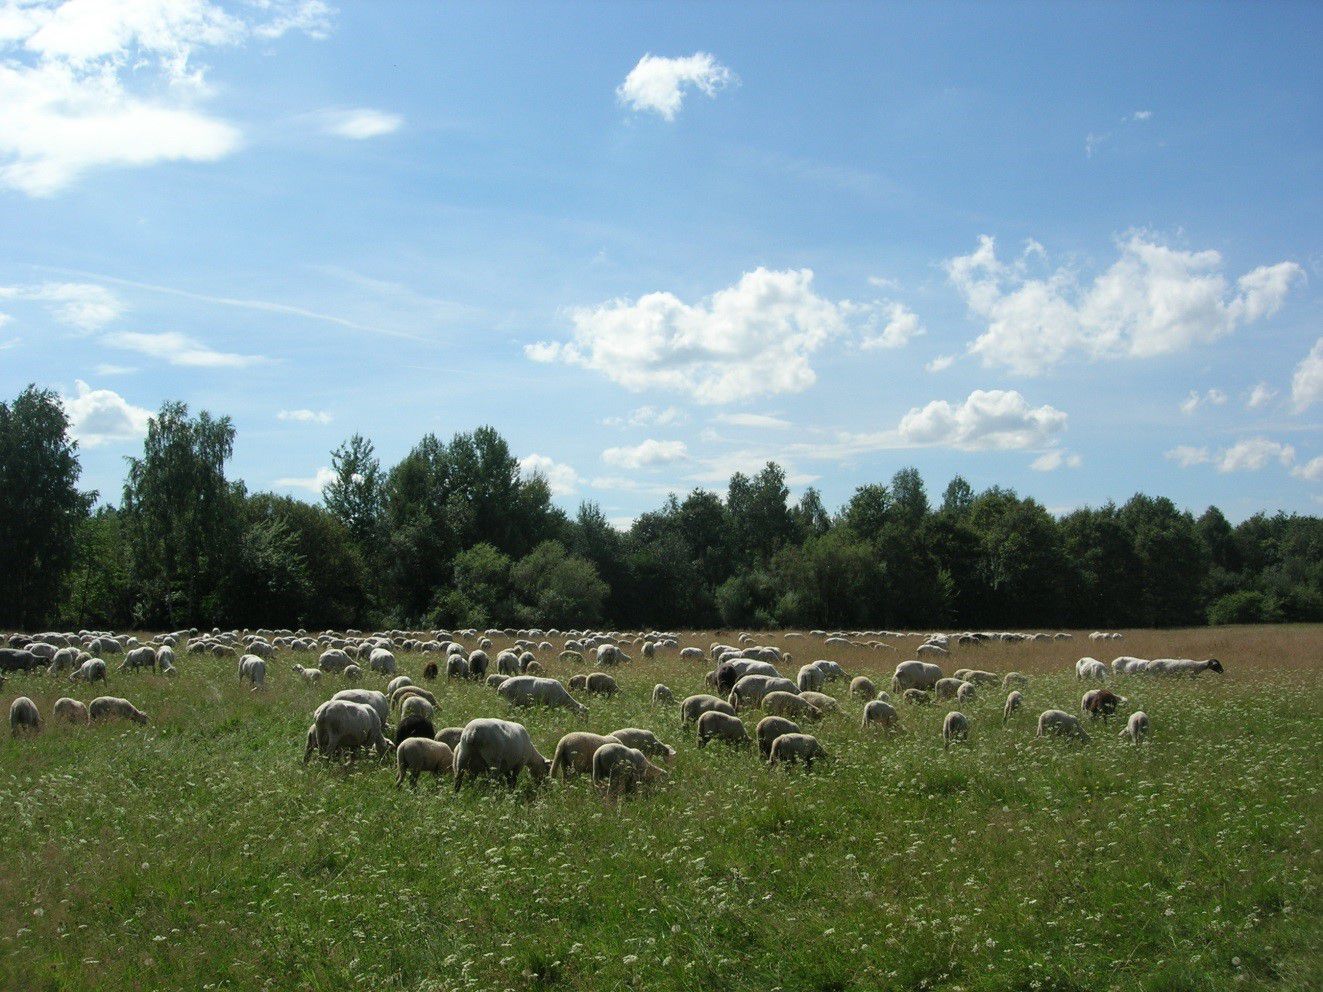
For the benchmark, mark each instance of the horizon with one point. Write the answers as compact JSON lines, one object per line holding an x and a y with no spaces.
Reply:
{"x":653,"y":251}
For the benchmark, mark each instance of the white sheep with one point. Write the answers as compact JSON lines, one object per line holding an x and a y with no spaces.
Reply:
{"x":1059,"y":723}
{"x":1013,"y":702}
{"x":1137,"y":727}
{"x":113,"y":707}
{"x":954,"y":728}
{"x":879,"y":713}
{"x":417,"y":755}
{"x":24,"y":716}
{"x":70,"y":711}
{"x":1090,"y":668}
{"x":662,"y":695}
{"x":253,"y":669}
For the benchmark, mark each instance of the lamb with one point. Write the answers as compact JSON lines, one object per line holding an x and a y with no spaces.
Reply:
{"x":1059,"y":723}
{"x":645,"y":741}
{"x":862,"y":687}
{"x":1101,"y":703}
{"x":418,"y":755}
{"x":574,"y":753}
{"x":879,"y":713}
{"x":528,"y":690}
{"x":620,"y":768}
{"x":789,"y":704}
{"x":1013,"y":701}
{"x":790,"y":748}
{"x":340,"y":724}
{"x":662,"y":695}
{"x":601,"y":684}
{"x":750,"y":690}
{"x":967,"y":692}
{"x":693,"y":707}
{"x":70,"y":711}
{"x":499,"y":747}
{"x":769,"y":729}
{"x":253,"y":669}
{"x":414,"y":725}
{"x":916,"y":697}
{"x":449,"y":735}
{"x":310,"y":675}
{"x":723,"y":726}
{"x":1090,"y":668}
{"x":954,"y":728}
{"x":1136,"y":727}
{"x":113,"y":707}
{"x":23,"y":716}
{"x":92,"y":670}
{"x":915,"y":675}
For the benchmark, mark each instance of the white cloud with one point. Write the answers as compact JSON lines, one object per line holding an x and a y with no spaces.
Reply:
{"x":9,"y":342}
{"x":92,"y":83}
{"x":659,"y":84}
{"x":759,"y":420}
{"x":902,"y":324}
{"x":1140,"y":115}
{"x":1154,"y":300}
{"x":751,"y":339}
{"x":85,"y":306}
{"x":993,"y":419}
{"x":1213,"y":397}
{"x":1260,"y":395}
{"x":649,"y":416}
{"x":941,"y":363}
{"x":1310,"y":471}
{"x":361,"y":123}
{"x":316,"y":483}
{"x":562,"y":479}
{"x":179,"y":349}
{"x":1186,"y":455}
{"x":99,"y":416}
{"x":1092,"y":142}
{"x":646,"y":454}
{"x":1249,"y":455}
{"x":105,"y":368}
{"x":1307,"y":382}
{"x":1050,"y":461}
{"x":305,"y":416}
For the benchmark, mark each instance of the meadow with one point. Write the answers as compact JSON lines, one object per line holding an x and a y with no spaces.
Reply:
{"x":198,"y":852}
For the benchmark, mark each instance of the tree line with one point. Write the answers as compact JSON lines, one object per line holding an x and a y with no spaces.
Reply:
{"x":455,"y":534}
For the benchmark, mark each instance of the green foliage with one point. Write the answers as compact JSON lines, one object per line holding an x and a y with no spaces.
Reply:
{"x":1246,"y":606}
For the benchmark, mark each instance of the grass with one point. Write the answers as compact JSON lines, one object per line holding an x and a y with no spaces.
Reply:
{"x":199,"y":853}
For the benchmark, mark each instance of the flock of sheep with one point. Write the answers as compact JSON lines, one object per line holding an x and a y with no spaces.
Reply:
{"x":745,"y":677}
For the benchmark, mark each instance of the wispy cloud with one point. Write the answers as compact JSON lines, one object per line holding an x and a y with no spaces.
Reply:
{"x":305,"y":416}
{"x":179,"y":349}
{"x":359,"y":123}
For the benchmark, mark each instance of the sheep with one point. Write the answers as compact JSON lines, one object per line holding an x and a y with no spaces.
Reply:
{"x":457,"y":667}
{"x":916,"y":697}
{"x":368,"y":697}
{"x":862,"y":687}
{"x":416,"y":706}
{"x":497,"y":746}
{"x":449,"y":735}
{"x":24,"y":716}
{"x":601,"y":684}
{"x":1183,"y":666}
{"x":1014,"y":678}
{"x":352,"y":673}
{"x":431,"y":671}
{"x":691,"y":654}
{"x":981,"y":678}
{"x":723,"y":726}
{"x":571,"y":657}
{"x":790,"y":748}
{"x":534,"y":668}
{"x":1090,"y":668}
{"x":609,"y":654}
{"x":527,"y":690}
{"x":507,"y":662}
{"x":418,"y":755}
{"x":70,"y":711}
{"x":662,"y":695}
{"x":879,"y":713}
{"x":92,"y":670}
{"x":931,"y":649}
{"x":750,"y":690}
{"x":620,"y":768}
{"x":574,"y":753}
{"x":645,"y":741}
{"x":414,"y":725}
{"x":1059,"y":723}
{"x":113,"y":707}
{"x":333,"y":660}
{"x":495,"y":680}
{"x":381,"y":660}
{"x":19,"y":660}
{"x":827,"y":704}
{"x":693,"y":707}
{"x":577,"y":683}
{"x":65,"y":659}
{"x":954,"y":728}
{"x":253,"y":669}
{"x":915,"y":675}
{"x":1013,"y":701}
{"x":398,"y":697}
{"x":811,"y":677}
{"x":769,"y":729}
{"x":967,"y":692}
{"x":948,"y":687}
{"x":310,"y":675}
{"x":142,"y":657}
{"x":341,"y":724}
{"x":1101,"y":703}
{"x":1136,"y":727}
{"x":789,"y":704}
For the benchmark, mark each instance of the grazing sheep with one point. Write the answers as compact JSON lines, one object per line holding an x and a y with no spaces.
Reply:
{"x":70,"y":711}
{"x":23,"y":715}
{"x":691,"y":654}
{"x":19,"y":660}
{"x":574,"y":753}
{"x":571,"y":657}
{"x":495,"y":680}
{"x":457,"y":667}
{"x":933,"y":650}
{"x":341,"y":724}
{"x":981,"y":678}
{"x":811,"y":677}
{"x":791,"y":748}
{"x":915,"y":675}
{"x":449,"y":735}
{"x":1059,"y":723}
{"x":662,"y":695}
{"x":967,"y":692}
{"x":948,"y":687}
{"x":1101,"y":703}
{"x":381,"y":660}
{"x":415,"y":705}
{"x":417,"y":755}
{"x":693,"y":707}
{"x":601,"y":684}
{"x":578,"y":683}
{"x":954,"y":728}
{"x":1013,"y":702}
{"x":333,"y":660}
{"x":310,"y":675}
{"x":769,"y":729}
{"x":533,"y":668}
{"x":750,"y":690}
{"x":1090,"y":668}
{"x":609,"y":654}
{"x":1182,"y":666}
{"x":414,"y":725}
{"x":253,"y":669}
{"x":862,"y":687}
{"x":1136,"y":728}
{"x":879,"y":713}
{"x":916,"y":697}
{"x":722,"y":726}
{"x":499,"y":747}
{"x":1014,"y":678}
{"x":431,"y":671}
{"x":92,"y":670}
{"x":65,"y":659}
{"x":113,"y":707}
{"x":399,"y":695}
{"x":791,"y":705}
{"x":827,"y":704}
{"x":645,"y":741}
{"x":529,"y":690}
{"x":368,"y":697}
{"x":730,"y":672}
{"x":620,"y":768}
{"x":353,"y":673}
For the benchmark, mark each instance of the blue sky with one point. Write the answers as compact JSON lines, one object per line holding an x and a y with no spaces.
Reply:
{"x":1070,"y":249}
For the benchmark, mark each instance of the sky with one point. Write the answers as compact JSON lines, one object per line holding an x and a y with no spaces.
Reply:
{"x":1073,"y":249}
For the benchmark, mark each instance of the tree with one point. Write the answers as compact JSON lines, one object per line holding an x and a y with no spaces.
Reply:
{"x":356,"y":495}
{"x":100,"y":588}
{"x":958,"y":497}
{"x":40,"y":506}
{"x":556,"y":588}
{"x":868,"y":511}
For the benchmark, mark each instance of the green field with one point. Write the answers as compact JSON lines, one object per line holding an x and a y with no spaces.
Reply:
{"x":198,"y":852}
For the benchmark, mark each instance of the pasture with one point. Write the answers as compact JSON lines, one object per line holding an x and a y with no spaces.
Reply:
{"x":198,"y":852}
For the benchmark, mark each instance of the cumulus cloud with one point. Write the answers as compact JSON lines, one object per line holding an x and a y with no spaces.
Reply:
{"x":360,"y":124}
{"x":649,"y":416}
{"x":752,"y":339}
{"x":941,"y":363}
{"x":1154,"y":300}
{"x":562,"y":479}
{"x":1307,"y":382}
{"x":901,"y":325}
{"x":647,"y":454}
{"x":759,"y":420}
{"x":100,"y":416}
{"x":1050,"y":461}
{"x":81,"y":305}
{"x":305,"y":416}
{"x":1310,"y":471}
{"x":315,"y":483}
{"x":991,"y":419}
{"x":179,"y":349}
{"x":1250,"y":455}
{"x":659,"y":84}
{"x":1213,"y":397}
{"x":1186,"y":455}
{"x":92,"y":83}
{"x":1261,"y":395}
